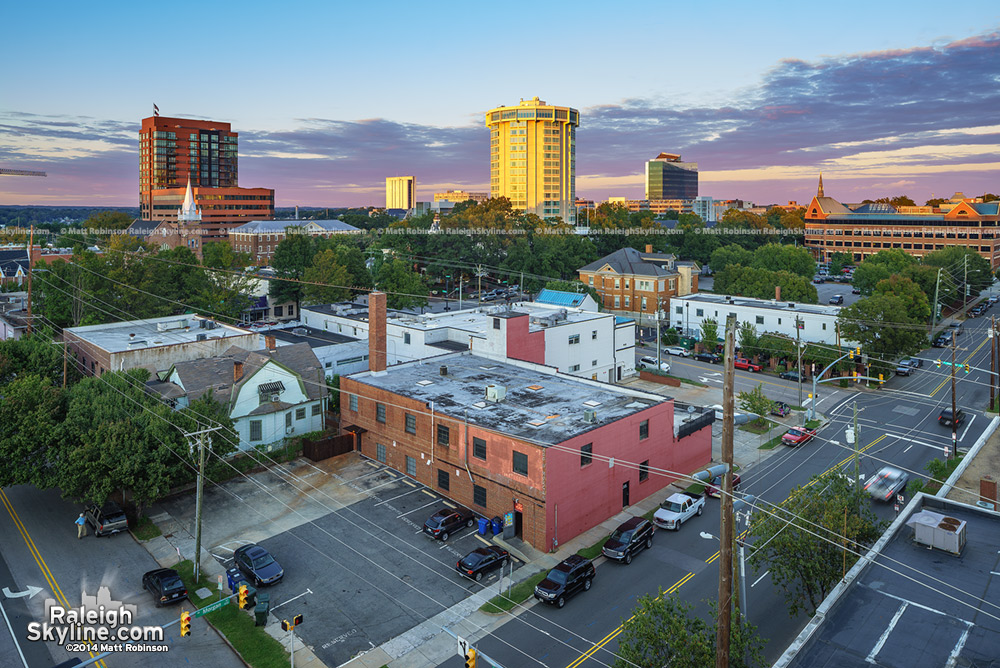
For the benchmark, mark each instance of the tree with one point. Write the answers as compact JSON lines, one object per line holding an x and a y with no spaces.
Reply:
{"x":30,"y":413}
{"x":749,"y":339}
{"x":918,"y":308}
{"x":868,"y":275}
{"x":781,"y":257}
{"x":803,"y":542}
{"x":724,"y":256}
{"x":838,"y":261}
{"x":881,"y":325}
{"x":35,"y":355}
{"x":755,"y":402}
{"x":291,"y":258}
{"x":326,"y":280}
{"x":205,"y":411}
{"x":962,"y":264}
{"x":760,"y":283}
{"x":404,"y":287}
{"x":663,"y":631}
{"x":709,"y":334}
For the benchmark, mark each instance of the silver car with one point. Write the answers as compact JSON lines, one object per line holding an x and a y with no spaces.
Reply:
{"x":679,"y":351}
{"x":885,"y":484}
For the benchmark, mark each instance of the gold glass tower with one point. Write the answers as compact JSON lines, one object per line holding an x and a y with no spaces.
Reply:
{"x":533,"y":157}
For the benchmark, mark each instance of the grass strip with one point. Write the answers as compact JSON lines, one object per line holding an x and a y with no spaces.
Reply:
{"x":594,"y":550}
{"x":754,"y":428}
{"x":812,"y":424}
{"x":771,"y":444}
{"x":519,"y":593}
{"x":145,"y":529}
{"x":257,"y":649}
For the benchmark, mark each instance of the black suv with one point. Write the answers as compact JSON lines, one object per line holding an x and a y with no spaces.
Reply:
{"x":630,"y":537}
{"x":447,"y":521}
{"x":707,"y":357}
{"x":573,"y":574}
{"x":946,"y":417}
{"x":165,"y":585}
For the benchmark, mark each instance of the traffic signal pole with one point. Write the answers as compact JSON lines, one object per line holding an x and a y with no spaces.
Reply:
{"x":954,"y":413}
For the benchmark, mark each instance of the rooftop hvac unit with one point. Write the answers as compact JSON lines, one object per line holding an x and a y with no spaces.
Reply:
{"x":443,"y":371}
{"x":936,"y":530}
{"x":495,"y":393}
{"x":202,"y":324}
{"x":590,"y":416}
{"x":201,"y":337}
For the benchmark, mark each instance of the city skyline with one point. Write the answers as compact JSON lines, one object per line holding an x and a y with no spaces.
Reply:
{"x":763,"y":101}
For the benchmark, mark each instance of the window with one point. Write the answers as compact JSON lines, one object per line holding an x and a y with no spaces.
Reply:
{"x":575,"y":338}
{"x":316,"y":409}
{"x":520,"y":463}
{"x":699,"y":312}
{"x":590,"y":280}
{"x":760,"y":320}
{"x":406,"y":338}
{"x":479,"y":495}
{"x":824,"y":325}
{"x":353,"y":402}
{"x":411,"y":424}
{"x":643,"y":303}
{"x":679,"y":310}
{"x":478,"y":448}
{"x":617,"y":301}
{"x":593,"y":335}
{"x":618,"y":283}
{"x":288,"y":419}
{"x":496,"y":323}
{"x":626,"y":301}
{"x":380,"y":412}
{"x":575,"y":367}
{"x":644,"y":430}
{"x":593,"y":363}
{"x":300,"y":413}
{"x":444,"y":481}
{"x":255,"y":430}
{"x":380,"y":452}
{"x":586,"y":454}
{"x":444,"y":435}
{"x":644,"y":471}
{"x":279,"y":311}
{"x":411,"y":466}
{"x":626,"y":283}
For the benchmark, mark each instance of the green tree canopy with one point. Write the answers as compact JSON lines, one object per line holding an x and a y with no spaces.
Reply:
{"x":725,"y":256}
{"x":784,"y":257}
{"x":404,"y":287}
{"x":326,"y":280}
{"x":838,"y":261}
{"x":754,"y":401}
{"x":291,"y":258}
{"x":749,"y":339}
{"x":30,"y":414}
{"x":881,"y":325}
{"x":868,"y":275}
{"x":710,"y":334}
{"x":760,"y":284}
{"x":962,"y":265}
{"x":918,"y":308}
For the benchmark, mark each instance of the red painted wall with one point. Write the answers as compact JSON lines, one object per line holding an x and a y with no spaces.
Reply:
{"x":522,"y":344}
{"x":579,"y":498}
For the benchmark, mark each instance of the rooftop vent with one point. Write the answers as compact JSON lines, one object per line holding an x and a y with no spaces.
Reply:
{"x":590,"y":416}
{"x":201,"y":337}
{"x":495,"y":393}
{"x":443,"y":370}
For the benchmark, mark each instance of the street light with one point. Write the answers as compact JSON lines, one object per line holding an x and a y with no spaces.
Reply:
{"x":743,"y":573}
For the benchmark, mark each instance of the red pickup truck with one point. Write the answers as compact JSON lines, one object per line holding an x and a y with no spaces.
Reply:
{"x":747,"y":365}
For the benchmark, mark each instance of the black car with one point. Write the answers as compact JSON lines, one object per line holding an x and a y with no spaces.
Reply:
{"x":482,"y":560}
{"x":946,"y":418}
{"x":446,"y":521}
{"x":630,"y":537}
{"x":573,"y":574}
{"x":837,"y":299}
{"x":792,"y":375}
{"x":258,"y":565}
{"x":707,"y":357}
{"x":942,"y":341}
{"x":855,"y":291}
{"x":165,"y":585}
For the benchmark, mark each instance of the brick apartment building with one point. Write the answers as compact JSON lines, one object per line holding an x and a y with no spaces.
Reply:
{"x":260,"y":238}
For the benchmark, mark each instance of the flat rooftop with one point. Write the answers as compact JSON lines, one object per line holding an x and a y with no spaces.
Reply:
{"x":770,"y":304}
{"x":116,"y":337}
{"x":916,"y":606}
{"x":540,"y":405}
{"x":316,"y":338}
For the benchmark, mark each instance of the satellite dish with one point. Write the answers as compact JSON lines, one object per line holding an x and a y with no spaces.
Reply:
{"x":691,"y":409}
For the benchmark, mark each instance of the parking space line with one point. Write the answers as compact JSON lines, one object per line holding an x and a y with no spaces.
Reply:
{"x":449,"y":503}
{"x":443,"y":545}
{"x":485,"y":542}
{"x":395,"y":497}
{"x":416,"y":509}
{"x":427,"y":493}
{"x":382,"y":485}
{"x":371,"y":463}
{"x":407,"y":482}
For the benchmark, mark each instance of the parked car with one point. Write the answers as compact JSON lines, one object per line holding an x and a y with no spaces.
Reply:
{"x":797,"y":436}
{"x":904,"y":370}
{"x":258,"y":565}
{"x":914,"y":362}
{"x":780,"y":408}
{"x":628,"y":539}
{"x":677,"y":509}
{"x":679,"y":351}
{"x":855,"y":291}
{"x":947,"y":418}
{"x":482,"y":560}
{"x":714,"y":488}
{"x":707,"y":357}
{"x":571,"y":575}
{"x":885,"y":484}
{"x":107,"y":519}
{"x":650,"y":363}
{"x":837,"y":299}
{"x":792,"y":375}
{"x":958,"y":327}
{"x":446,"y":521}
{"x":942,"y":341}
{"x":818,"y":279}
{"x":746,"y":364}
{"x":165,"y":585}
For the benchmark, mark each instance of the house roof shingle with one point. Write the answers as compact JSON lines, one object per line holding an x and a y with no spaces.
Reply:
{"x":629,"y":261}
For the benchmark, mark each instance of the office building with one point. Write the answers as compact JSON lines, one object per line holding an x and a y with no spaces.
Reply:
{"x":533,"y":158}
{"x":669,"y":178}
{"x":457,"y":196}
{"x":400,"y":192}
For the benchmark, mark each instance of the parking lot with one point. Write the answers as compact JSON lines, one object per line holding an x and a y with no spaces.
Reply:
{"x":365,"y":573}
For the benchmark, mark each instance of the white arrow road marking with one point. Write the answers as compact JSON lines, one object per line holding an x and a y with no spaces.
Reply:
{"x":29,"y":592}
{"x":709,"y":380}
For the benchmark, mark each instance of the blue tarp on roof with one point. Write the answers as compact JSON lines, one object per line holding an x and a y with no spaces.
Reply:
{"x":620,"y":320}
{"x":559,"y":298}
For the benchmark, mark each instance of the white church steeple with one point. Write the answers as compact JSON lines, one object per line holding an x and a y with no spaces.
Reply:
{"x":188,"y":212}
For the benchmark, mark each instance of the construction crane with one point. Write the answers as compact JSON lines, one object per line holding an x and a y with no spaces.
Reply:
{"x":20,"y":172}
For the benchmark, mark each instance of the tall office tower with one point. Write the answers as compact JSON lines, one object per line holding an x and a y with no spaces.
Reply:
{"x":669,"y":178}
{"x":176,"y":151}
{"x":401,"y":192}
{"x":533,"y":157}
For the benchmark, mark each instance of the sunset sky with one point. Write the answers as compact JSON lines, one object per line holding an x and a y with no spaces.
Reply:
{"x":329,"y":98}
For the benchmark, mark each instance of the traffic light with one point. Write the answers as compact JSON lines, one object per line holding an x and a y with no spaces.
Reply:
{"x":185,"y":623}
{"x":858,"y":351}
{"x":880,"y":378}
{"x":470,"y":658}
{"x":296,"y":620}
{"x":285,"y":626}
{"x":243,"y":597}
{"x":966,"y":367}
{"x":850,"y":354}
{"x":937,"y":363}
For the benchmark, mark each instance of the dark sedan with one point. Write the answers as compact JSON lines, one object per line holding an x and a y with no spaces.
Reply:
{"x":792,"y":375}
{"x":482,"y":560}
{"x":447,"y":521}
{"x":707,"y":357}
{"x":258,"y":565}
{"x":714,"y":488}
{"x":165,"y":585}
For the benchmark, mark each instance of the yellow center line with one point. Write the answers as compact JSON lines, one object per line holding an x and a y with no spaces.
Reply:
{"x":677,"y":585}
{"x":948,"y":377}
{"x":36,"y":555}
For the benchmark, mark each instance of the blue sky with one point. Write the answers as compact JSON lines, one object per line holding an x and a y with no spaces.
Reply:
{"x":329,"y":98}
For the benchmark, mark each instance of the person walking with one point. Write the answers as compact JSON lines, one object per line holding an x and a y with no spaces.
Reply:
{"x":81,"y":526}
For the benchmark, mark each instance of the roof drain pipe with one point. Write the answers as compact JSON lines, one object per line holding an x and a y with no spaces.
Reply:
{"x":467,"y":469}
{"x":432,"y":433}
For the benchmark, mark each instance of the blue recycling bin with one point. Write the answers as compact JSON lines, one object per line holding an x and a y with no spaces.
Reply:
{"x":497,"y":526}
{"x":235,"y":578}
{"x":484,"y":526}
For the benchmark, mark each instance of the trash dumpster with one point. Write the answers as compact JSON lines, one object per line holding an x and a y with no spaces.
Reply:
{"x":484,"y":526}
{"x":235,"y":578}
{"x":497,"y":526}
{"x":260,"y":613}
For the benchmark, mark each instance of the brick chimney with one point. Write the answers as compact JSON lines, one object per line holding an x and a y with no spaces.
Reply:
{"x":777,"y":293}
{"x":237,"y":371}
{"x":269,"y":342}
{"x":649,"y":248}
{"x":376,"y":332}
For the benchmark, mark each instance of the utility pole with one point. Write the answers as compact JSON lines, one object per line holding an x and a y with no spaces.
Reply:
{"x":993,"y":359}
{"x":798,"y":347}
{"x":657,"y":340}
{"x":201,"y":486}
{"x":954,"y":413}
{"x":965,"y":281}
{"x":722,"y":631}
{"x":934,"y":307}
{"x":65,"y":354}
{"x":996,"y":342}
{"x":31,"y":242}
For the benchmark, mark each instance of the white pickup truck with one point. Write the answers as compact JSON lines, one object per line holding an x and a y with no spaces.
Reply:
{"x":678,"y":508}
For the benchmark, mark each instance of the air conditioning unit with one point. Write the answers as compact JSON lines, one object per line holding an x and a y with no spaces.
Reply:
{"x":495,"y":393}
{"x":275,"y":397}
{"x":590,"y":415}
{"x":289,"y":430}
